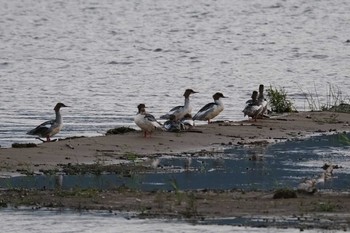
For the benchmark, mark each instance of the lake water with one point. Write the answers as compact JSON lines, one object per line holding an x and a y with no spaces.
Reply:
{"x":55,"y":221}
{"x":103,"y":57}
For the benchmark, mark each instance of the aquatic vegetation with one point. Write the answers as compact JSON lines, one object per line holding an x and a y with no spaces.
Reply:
{"x":344,"y":139}
{"x":49,"y":172}
{"x":27,"y":170}
{"x":174,"y":184}
{"x":191,"y":206}
{"x":131,"y":156}
{"x":278,"y":100}
{"x":100,"y":168}
{"x":326,"y":206}
{"x":333,"y":119}
{"x":78,"y":192}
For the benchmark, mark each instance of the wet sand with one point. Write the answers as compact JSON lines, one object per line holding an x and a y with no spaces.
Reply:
{"x":112,"y":149}
{"x":319,"y":210}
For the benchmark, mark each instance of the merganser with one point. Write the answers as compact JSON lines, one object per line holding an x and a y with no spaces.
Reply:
{"x":186,"y":122}
{"x":49,"y":128}
{"x":180,"y":111}
{"x":146,"y":121}
{"x":253,"y":107}
{"x":210,"y":110}
{"x":172,"y":125}
{"x":262,"y":100}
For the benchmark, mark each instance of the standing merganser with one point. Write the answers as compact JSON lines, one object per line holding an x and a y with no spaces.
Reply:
{"x":146,"y":121}
{"x":262,"y":101}
{"x":49,"y":128}
{"x":180,"y":111}
{"x":253,"y":107}
{"x":210,"y":110}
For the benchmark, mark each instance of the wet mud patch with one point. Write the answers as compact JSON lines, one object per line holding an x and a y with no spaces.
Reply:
{"x":245,"y":167}
{"x":247,"y":185}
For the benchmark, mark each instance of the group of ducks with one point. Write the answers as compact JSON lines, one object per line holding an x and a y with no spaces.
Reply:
{"x":177,"y":119}
{"x":257,"y":106}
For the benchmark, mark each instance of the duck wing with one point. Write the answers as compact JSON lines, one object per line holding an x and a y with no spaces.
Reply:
{"x":172,"y":111}
{"x":204,"y":111}
{"x":153,"y":120}
{"x":252,"y":110}
{"x":42,"y":129}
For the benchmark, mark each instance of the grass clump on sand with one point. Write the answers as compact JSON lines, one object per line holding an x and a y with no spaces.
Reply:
{"x":335,"y":101}
{"x":120,"y":130}
{"x":326,"y":207}
{"x":278,"y":100}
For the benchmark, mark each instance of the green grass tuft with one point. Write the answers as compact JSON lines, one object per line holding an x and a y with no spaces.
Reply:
{"x":278,"y":100}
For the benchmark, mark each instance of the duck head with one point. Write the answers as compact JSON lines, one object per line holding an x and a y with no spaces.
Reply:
{"x":218,"y":95}
{"x":59,"y":105}
{"x":188,"y":92}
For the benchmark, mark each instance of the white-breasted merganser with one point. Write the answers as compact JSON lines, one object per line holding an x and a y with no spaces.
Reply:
{"x":49,"y":128}
{"x":146,"y":121}
{"x":180,"y":111}
{"x":253,"y":107}
{"x":262,"y":101}
{"x":210,"y":110}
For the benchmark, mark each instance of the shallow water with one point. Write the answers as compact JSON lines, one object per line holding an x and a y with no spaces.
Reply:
{"x":85,"y":222}
{"x":105,"y":57}
{"x":280,"y":165}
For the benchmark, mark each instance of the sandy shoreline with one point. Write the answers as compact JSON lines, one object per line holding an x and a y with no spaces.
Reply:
{"x":320,"y":210}
{"x":113,"y":148}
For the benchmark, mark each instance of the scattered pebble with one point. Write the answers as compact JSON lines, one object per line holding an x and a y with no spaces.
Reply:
{"x":70,"y":146}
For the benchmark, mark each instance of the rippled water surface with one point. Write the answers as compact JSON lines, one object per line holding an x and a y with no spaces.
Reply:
{"x":104,"y":57}
{"x":68,"y":221}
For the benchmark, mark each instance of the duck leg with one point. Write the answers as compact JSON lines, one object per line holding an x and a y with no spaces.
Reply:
{"x":40,"y":139}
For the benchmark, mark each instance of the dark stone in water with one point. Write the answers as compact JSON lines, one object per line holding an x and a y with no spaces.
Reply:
{"x":120,"y":130}
{"x":23,"y":145}
{"x":284,"y":193}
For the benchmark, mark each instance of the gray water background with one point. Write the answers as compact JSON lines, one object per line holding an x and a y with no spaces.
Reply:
{"x":105,"y":57}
